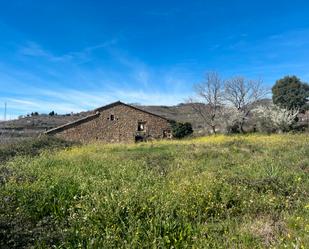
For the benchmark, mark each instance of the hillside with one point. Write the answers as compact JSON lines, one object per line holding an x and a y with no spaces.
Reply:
{"x":214,"y":192}
{"x":32,"y":126}
{"x":181,"y":112}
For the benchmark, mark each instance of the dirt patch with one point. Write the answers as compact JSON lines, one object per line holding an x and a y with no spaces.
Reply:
{"x":268,"y":229}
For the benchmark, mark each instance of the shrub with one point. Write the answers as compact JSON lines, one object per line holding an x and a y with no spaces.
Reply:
{"x":273,"y":117}
{"x":181,"y":130}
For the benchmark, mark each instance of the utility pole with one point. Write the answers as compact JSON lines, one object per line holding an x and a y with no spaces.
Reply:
{"x":4,"y":111}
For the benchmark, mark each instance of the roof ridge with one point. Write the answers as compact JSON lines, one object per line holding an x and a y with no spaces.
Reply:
{"x":131,"y":106}
{"x":97,"y":113}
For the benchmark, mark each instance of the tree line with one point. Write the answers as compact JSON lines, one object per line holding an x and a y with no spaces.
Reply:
{"x":226,"y":105}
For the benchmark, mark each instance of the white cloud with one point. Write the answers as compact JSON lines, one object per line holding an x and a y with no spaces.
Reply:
{"x":26,"y":105}
{"x":63,"y":84}
{"x":76,"y":101}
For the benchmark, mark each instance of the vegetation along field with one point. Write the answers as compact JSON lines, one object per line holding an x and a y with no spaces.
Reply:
{"x":242,"y":191}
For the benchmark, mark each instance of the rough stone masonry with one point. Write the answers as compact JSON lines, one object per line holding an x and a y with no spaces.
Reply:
{"x":114,"y":123}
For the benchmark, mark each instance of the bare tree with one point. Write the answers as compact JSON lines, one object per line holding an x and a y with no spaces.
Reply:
{"x":208,"y":101}
{"x":241,"y":94}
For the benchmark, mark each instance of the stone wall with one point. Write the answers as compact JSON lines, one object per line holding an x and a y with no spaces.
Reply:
{"x":122,"y":129}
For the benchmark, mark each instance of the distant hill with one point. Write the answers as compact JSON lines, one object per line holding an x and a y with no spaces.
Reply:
{"x":181,"y":113}
{"x":34,"y":125}
{"x":31,"y":126}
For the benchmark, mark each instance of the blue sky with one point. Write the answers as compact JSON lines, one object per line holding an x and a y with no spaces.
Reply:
{"x":70,"y":56}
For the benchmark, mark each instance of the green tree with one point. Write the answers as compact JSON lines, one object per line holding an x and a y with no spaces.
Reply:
{"x":291,"y":93}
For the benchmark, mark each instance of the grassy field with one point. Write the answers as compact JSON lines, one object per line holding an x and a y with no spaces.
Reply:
{"x":213,"y":192}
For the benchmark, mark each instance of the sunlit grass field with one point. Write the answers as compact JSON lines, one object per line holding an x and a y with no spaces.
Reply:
{"x":249,"y":191}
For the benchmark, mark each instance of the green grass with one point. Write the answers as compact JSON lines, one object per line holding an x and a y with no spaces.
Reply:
{"x":213,"y":192}
{"x":31,"y":147}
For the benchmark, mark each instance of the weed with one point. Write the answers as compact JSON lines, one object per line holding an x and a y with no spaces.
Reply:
{"x":214,"y":192}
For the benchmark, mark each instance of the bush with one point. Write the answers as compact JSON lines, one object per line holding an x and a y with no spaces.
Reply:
{"x":274,"y":118}
{"x":180,"y":130}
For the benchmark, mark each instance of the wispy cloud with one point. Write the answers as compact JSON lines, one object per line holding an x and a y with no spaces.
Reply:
{"x":269,"y":57}
{"x":33,"y":49}
{"x":59,"y":86}
{"x":76,"y":101}
{"x":16,"y":107}
{"x":63,"y":83}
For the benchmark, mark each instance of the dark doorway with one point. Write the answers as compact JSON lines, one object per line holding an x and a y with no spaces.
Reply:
{"x":139,"y":138}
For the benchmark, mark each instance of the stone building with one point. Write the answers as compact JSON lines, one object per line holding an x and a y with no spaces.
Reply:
{"x":116,"y":122}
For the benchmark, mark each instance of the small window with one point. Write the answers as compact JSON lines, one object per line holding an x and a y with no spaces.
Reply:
{"x":141,"y":126}
{"x":112,"y":118}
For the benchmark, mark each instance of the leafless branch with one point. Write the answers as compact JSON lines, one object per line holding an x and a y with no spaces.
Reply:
{"x":209,"y":99}
{"x":242,"y":94}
